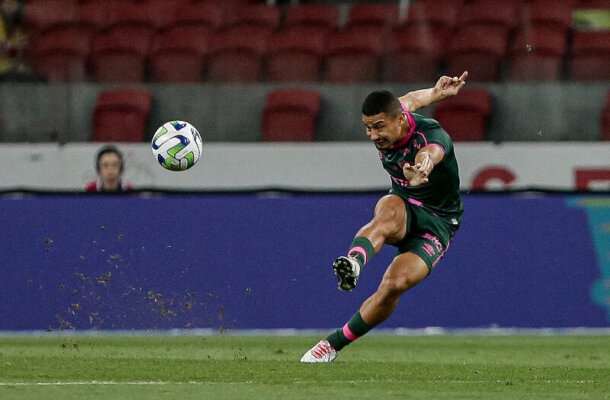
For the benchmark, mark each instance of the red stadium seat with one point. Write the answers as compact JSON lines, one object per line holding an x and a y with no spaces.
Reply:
{"x":290,"y":115}
{"x":537,"y":54}
{"x":93,"y":15}
{"x":548,"y":13}
{"x":465,"y":116}
{"x":439,"y":16}
{"x":479,"y":50}
{"x":42,"y":15}
{"x":202,"y":14}
{"x":178,"y":54}
{"x":61,"y":54}
{"x":499,"y":14}
{"x":267,"y":16}
{"x":376,"y":15}
{"x":353,"y":56}
{"x":237,"y":55}
{"x":414,"y":55}
{"x":320,"y":16}
{"x":120,"y":115}
{"x":120,"y":55}
{"x":590,"y":56}
{"x":295,"y":54}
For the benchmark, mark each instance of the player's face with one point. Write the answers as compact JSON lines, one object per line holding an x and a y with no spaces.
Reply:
{"x":384,"y":130}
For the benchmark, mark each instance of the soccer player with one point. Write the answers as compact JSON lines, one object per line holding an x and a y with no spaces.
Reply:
{"x":419,"y":216}
{"x":109,"y":164}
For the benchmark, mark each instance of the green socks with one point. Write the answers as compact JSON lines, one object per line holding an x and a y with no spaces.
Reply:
{"x":351,"y":331}
{"x":362,"y":250}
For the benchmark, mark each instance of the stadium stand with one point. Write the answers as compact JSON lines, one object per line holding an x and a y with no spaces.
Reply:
{"x":537,"y":54}
{"x":324,"y":17}
{"x":257,"y":15}
{"x":295,"y":54}
{"x":290,"y":115}
{"x":353,"y":55}
{"x":120,"y":115}
{"x":119,"y":55}
{"x":550,"y":14}
{"x":382,"y":16}
{"x":465,"y":117}
{"x":485,"y":13}
{"x":61,"y":54}
{"x":478,"y":49}
{"x":203,"y":14}
{"x":237,"y":54}
{"x":134,"y":16}
{"x":178,"y":54}
{"x":590,"y":55}
{"x":439,"y":17}
{"x":42,"y":15}
{"x":414,"y":55}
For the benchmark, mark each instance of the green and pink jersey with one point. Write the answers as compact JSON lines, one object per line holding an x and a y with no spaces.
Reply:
{"x":441,"y":194}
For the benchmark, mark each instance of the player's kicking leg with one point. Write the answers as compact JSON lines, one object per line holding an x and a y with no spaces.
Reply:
{"x":347,"y":270}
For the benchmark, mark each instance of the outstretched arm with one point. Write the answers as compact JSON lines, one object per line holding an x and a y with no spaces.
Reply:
{"x":445,"y":87}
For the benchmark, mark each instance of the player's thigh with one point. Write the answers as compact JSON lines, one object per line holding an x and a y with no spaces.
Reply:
{"x":404,"y":272}
{"x":391,"y":215}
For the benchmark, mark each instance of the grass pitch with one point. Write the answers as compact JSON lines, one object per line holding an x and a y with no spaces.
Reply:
{"x":267,"y":367}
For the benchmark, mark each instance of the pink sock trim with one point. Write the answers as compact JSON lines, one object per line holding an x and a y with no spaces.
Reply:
{"x":348,"y":333}
{"x":360,"y":250}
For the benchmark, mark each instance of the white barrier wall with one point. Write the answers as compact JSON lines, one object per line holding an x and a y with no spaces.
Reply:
{"x":310,"y":166}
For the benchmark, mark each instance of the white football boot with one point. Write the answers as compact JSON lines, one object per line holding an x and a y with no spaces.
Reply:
{"x":321,"y":352}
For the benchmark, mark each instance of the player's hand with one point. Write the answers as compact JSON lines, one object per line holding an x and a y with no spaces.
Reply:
{"x":415,"y":173}
{"x":450,"y":86}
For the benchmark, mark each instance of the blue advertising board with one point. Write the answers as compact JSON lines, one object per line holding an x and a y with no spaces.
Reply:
{"x":263,"y":261}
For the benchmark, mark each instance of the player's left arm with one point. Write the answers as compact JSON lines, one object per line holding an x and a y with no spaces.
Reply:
{"x":445,"y":87}
{"x":425,"y":160}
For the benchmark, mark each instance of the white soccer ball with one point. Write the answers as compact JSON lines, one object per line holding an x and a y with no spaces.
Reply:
{"x":177,"y":145}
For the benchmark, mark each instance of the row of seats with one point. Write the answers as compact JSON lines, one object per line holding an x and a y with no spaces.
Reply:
{"x":192,"y":41}
{"x":291,"y":115}
{"x":288,"y":115}
{"x":441,"y":14}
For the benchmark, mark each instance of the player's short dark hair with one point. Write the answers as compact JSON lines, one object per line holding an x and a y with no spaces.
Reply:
{"x":381,"y":101}
{"x":105,"y":150}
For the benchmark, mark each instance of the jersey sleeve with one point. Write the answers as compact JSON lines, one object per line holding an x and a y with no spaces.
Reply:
{"x":434,"y":133}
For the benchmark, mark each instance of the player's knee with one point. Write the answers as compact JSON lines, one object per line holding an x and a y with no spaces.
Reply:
{"x":395,"y":282}
{"x":392,"y":287}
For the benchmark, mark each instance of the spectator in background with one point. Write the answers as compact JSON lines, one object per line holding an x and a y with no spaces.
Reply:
{"x":109,"y":164}
{"x":13,"y":40}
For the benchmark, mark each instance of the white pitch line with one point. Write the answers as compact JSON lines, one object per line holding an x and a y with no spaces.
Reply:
{"x":99,"y":383}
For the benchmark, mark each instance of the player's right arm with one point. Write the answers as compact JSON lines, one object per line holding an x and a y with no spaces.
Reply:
{"x":445,"y":87}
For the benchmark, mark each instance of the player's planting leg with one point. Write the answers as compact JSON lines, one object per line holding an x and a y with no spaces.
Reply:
{"x":326,"y":350}
{"x":405,"y":272}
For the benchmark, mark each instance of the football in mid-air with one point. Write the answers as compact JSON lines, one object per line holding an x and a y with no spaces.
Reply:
{"x":177,"y":145}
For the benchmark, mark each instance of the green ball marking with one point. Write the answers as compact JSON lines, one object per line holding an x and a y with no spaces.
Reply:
{"x":174,"y":150}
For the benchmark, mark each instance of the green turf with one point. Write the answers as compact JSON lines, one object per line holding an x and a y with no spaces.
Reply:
{"x":266,"y":367}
